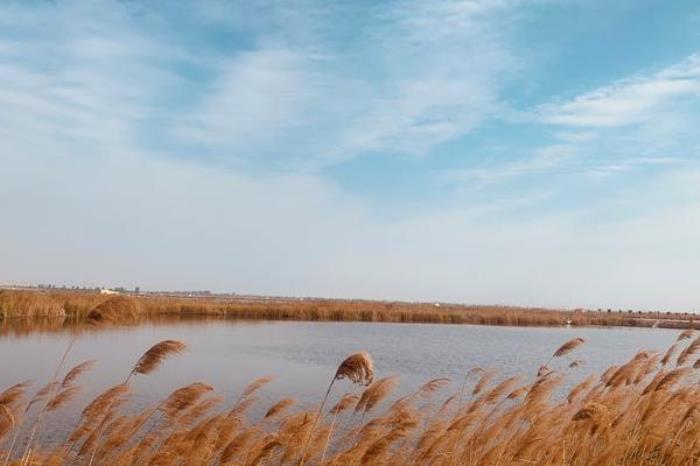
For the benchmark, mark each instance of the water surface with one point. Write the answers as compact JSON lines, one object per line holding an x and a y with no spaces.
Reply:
{"x":304,"y":355}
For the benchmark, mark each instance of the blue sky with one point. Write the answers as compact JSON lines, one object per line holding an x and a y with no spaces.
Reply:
{"x":541,"y":152}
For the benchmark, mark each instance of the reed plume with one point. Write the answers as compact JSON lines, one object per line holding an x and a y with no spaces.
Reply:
{"x":375,"y":393}
{"x":568,"y":347}
{"x":669,"y":354}
{"x":685,"y":334}
{"x":279,"y":407}
{"x":672,"y":377}
{"x":151,"y":359}
{"x":619,"y":418}
{"x":688,"y":352}
{"x":359,"y":369}
{"x":73,"y":374}
{"x":61,"y":398}
{"x":346,"y":402}
{"x":256,"y":385}
{"x":430,"y":387}
{"x":563,"y":350}
{"x":183,"y":398}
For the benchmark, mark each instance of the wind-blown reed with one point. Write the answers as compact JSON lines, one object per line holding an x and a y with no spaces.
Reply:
{"x":638,"y":413}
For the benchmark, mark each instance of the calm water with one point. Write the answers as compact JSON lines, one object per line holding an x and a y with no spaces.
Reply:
{"x":304,"y":355}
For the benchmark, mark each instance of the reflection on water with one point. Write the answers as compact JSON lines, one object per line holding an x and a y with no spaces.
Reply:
{"x":21,"y":326}
{"x":304,"y":355}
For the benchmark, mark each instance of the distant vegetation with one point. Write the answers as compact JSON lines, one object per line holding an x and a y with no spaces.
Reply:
{"x":75,"y":307}
{"x":644,"y":412}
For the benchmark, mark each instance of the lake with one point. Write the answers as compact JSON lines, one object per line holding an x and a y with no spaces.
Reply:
{"x":304,"y":355}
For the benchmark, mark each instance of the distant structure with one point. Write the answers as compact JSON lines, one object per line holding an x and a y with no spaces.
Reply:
{"x":108,"y":291}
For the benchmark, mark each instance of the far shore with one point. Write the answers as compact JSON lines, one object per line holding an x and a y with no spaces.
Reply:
{"x":76,"y":306}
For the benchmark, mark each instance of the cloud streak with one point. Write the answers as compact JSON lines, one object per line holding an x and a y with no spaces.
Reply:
{"x":628,"y":101}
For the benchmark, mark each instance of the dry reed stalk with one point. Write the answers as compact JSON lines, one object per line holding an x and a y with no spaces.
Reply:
{"x":61,"y":398}
{"x":73,"y":374}
{"x":10,"y":403}
{"x":52,"y":386}
{"x":596,"y":413}
{"x":346,"y":402}
{"x":256,"y":385}
{"x":580,"y":388}
{"x":629,"y":371}
{"x":672,"y":378}
{"x":42,"y":394}
{"x":518,"y":392}
{"x":359,"y":369}
{"x":375,"y":393}
{"x":152,"y":359}
{"x":605,"y":376}
{"x":563,"y":350}
{"x":147,"y":364}
{"x":430,"y":387}
{"x":200,"y":409}
{"x":279,"y":407}
{"x":568,"y":347}
{"x":688,"y":351}
{"x":470,"y":372}
{"x":298,"y":430}
{"x":639,"y":422}
{"x":182,"y":399}
{"x":376,"y":450}
{"x":265,"y":449}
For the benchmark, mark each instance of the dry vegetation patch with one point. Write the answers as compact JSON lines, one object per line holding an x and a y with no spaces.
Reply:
{"x":642,"y":412}
{"x":78,"y":307}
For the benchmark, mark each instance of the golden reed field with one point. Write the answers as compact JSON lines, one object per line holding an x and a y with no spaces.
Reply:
{"x":73,"y":307}
{"x":646,"y":411}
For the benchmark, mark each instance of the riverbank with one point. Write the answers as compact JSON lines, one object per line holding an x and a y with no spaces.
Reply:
{"x":77,"y":306}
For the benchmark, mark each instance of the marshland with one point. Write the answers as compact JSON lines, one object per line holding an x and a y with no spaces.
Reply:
{"x":59,"y":307}
{"x":436,"y":233}
{"x":125,"y":380}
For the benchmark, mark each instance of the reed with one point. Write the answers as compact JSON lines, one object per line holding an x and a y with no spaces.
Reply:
{"x":638,"y":413}
{"x":20,"y":310}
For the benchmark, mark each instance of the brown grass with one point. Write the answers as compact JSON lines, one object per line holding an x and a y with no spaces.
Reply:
{"x":636,"y":414}
{"x":24,"y":311}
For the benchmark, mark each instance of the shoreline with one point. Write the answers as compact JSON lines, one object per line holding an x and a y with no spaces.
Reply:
{"x":16,"y":306}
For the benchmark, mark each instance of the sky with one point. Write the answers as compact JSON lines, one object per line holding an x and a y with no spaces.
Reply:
{"x":526,"y":152}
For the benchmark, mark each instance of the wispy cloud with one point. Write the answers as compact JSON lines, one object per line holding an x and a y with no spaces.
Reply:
{"x":430,"y":72}
{"x":547,"y":159}
{"x":634,"y":123}
{"x":628,"y":101}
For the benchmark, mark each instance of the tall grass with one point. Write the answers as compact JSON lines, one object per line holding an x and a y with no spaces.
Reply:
{"x":643,"y":412}
{"x":76,"y":307}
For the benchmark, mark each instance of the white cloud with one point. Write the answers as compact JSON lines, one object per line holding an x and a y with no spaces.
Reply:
{"x":404,"y":87}
{"x":257,"y":96}
{"x":543,"y":160}
{"x":645,"y":121}
{"x":629,"y":101}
